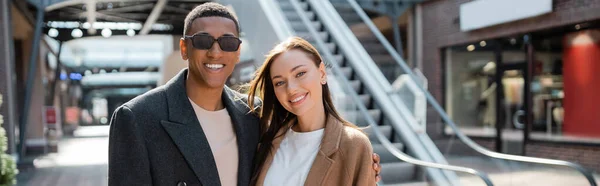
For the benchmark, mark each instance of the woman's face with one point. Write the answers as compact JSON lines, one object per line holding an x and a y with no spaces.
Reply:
{"x":297,"y":82}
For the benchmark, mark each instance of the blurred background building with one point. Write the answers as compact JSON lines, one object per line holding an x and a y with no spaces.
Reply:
{"x":453,"y":82}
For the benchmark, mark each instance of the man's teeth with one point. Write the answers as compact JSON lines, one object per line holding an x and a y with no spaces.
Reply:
{"x":214,"y":66}
{"x":298,"y":99}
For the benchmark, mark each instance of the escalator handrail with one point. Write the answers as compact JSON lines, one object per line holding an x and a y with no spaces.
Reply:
{"x":363,"y":110}
{"x":447,"y":119}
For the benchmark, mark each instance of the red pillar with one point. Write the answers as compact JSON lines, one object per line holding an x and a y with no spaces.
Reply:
{"x":581,"y":75}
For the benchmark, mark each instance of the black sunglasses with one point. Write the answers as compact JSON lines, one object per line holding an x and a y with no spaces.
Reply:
{"x":205,"y":41}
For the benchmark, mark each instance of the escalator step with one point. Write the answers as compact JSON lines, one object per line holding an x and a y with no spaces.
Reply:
{"x":397,"y":172}
{"x":387,"y":156}
{"x":352,"y":20}
{"x":347,"y":72}
{"x":359,"y":119}
{"x":370,"y":38}
{"x":309,"y":37}
{"x":375,"y":48}
{"x":331,"y":47}
{"x":339,"y":59}
{"x":386,"y":129}
{"x":383,"y":59}
{"x":293,"y":16}
{"x":299,"y":26}
{"x":356,"y":85}
{"x":287,"y":5}
{"x":347,"y":102}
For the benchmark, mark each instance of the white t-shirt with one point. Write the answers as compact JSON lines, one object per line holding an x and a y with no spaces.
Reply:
{"x":218,"y":128}
{"x":294,"y":158}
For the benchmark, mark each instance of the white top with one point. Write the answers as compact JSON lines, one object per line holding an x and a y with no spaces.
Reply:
{"x":218,"y":128}
{"x":294,"y":158}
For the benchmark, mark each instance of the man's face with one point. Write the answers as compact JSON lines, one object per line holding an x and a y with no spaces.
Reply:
{"x":213,"y":66}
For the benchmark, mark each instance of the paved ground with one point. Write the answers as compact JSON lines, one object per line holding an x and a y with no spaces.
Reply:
{"x":504,"y":173}
{"x":81,"y":161}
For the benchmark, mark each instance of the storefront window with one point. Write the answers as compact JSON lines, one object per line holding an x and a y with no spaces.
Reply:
{"x":562,"y":69}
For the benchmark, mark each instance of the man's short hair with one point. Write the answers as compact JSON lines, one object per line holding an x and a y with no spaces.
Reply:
{"x":209,"y":9}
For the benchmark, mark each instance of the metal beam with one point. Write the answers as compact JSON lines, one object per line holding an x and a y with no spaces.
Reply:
{"x":129,"y":8}
{"x":158,"y":8}
{"x":68,"y":3}
{"x":91,"y":15}
{"x":7,"y":75}
{"x":111,"y":18}
{"x":177,"y":9}
{"x":499,"y":95}
{"x":53,"y":84}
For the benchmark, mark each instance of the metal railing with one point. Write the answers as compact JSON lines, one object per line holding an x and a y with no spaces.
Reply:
{"x":447,"y":119}
{"x":363,"y":110}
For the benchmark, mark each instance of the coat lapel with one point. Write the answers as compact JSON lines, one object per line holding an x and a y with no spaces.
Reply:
{"x":322,"y":164}
{"x":186,"y":132}
{"x":329,"y":145}
{"x":241,"y":118}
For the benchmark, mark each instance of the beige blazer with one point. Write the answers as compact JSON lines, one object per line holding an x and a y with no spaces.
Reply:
{"x":344,"y":157}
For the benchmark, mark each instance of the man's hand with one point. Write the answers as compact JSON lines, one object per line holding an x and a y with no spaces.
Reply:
{"x":376,"y":167}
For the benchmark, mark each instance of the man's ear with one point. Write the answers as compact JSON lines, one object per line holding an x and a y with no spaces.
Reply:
{"x":239,"y":53}
{"x":183,"y":49}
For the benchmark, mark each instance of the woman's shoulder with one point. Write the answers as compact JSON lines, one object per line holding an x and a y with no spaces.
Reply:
{"x":354,"y":139}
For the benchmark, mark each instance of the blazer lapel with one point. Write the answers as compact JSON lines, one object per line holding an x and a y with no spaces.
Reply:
{"x":241,"y":118}
{"x":186,"y":132}
{"x":329,"y":145}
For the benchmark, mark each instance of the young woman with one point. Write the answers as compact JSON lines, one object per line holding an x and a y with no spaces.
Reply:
{"x":305,"y":141}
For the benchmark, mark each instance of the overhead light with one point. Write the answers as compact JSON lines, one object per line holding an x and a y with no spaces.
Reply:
{"x":511,"y":72}
{"x":106,"y":33}
{"x":75,"y":76}
{"x":577,"y":27}
{"x":489,"y":66}
{"x":114,"y":71}
{"x":102,"y":71}
{"x":513,"y":41}
{"x":77,"y":33}
{"x":53,"y":32}
{"x":63,"y":76}
{"x":471,"y":48}
{"x":86,"y":25}
{"x":109,"y":6}
{"x":482,"y":43}
{"x":87,"y":72}
{"x":103,"y":120}
{"x":130,"y":32}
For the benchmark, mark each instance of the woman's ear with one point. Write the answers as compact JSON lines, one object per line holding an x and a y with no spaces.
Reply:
{"x":323,"y":72}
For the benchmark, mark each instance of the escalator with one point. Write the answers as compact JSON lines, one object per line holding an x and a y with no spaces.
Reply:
{"x":394,"y":171}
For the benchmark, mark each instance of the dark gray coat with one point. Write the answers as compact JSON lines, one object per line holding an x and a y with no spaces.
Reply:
{"x":156,"y":139}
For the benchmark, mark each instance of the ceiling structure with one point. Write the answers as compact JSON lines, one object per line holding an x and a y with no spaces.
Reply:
{"x":124,"y":17}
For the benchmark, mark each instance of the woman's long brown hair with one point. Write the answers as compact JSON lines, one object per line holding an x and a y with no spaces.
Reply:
{"x":273,"y":116}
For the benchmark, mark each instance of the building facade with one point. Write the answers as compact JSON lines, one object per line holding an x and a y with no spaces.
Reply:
{"x":525,"y":84}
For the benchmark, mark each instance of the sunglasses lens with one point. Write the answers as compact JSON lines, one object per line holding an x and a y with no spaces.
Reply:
{"x":229,"y":44}
{"x":203,"y":42}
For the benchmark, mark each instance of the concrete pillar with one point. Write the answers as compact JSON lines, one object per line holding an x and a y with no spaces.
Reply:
{"x":7,"y":75}
{"x":36,"y":142}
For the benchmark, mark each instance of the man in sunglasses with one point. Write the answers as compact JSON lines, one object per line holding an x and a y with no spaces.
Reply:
{"x":194,"y":130}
